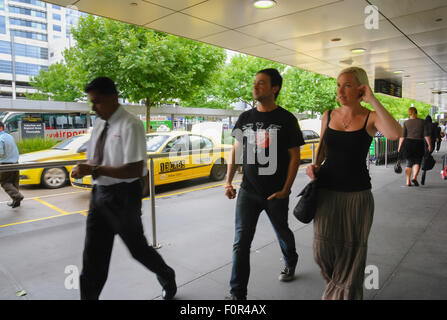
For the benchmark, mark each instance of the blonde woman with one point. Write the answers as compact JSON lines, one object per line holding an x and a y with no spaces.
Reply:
{"x":412,"y":145}
{"x":345,"y":202}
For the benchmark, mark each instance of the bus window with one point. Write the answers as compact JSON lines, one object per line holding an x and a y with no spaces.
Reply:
{"x":12,"y":123}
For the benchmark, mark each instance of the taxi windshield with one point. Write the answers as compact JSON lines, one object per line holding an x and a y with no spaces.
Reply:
{"x":71,"y":144}
{"x":154,"y":142}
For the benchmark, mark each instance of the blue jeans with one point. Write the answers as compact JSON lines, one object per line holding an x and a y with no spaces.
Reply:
{"x":248,"y":208}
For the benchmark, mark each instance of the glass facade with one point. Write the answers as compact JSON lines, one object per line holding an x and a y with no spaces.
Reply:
{"x":33,"y":2}
{"x":2,"y":25}
{"x":56,"y":16}
{"x":29,"y":35}
{"x":27,"y":23}
{"x":27,"y":69}
{"x":57,"y":27}
{"x":28,"y":12}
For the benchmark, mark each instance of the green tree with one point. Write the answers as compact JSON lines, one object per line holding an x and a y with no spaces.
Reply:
{"x":307,"y":91}
{"x":55,"y":84}
{"x":146,"y":65}
{"x":236,"y":81}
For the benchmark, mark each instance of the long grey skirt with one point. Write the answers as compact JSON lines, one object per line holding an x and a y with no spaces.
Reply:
{"x":341,"y":229}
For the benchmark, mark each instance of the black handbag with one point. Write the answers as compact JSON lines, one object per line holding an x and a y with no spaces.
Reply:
{"x":428,"y":162}
{"x":306,"y":207}
{"x":398,"y":167}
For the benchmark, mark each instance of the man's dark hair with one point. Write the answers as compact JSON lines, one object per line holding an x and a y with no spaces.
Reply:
{"x":428,"y":119}
{"x":2,"y":125}
{"x":102,"y":85}
{"x":275,"y":78}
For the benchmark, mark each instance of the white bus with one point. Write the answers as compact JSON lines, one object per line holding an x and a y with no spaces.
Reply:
{"x":58,"y":126}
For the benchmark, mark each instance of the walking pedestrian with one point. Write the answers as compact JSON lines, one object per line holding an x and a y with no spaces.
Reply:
{"x":116,"y":160}
{"x":345,"y":204}
{"x":412,"y":146}
{"x":268,"y":138}
{"x":9,"y":180}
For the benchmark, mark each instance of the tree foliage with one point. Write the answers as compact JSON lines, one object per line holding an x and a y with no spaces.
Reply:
{"x":307,"y":91}
{"x":55,"y":84}
{"x":236,"y":80}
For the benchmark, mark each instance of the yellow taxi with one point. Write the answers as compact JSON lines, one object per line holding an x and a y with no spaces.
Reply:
{"x":312,"y":140}
{"x":207,"y":159}
{"x":71,"y":149}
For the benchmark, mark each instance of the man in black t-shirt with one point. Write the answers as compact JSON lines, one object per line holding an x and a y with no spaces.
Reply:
{"x":267,"y":144}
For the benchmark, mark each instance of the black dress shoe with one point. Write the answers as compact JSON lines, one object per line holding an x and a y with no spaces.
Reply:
{"x":15,"y":203}
{"x":170,"y":289}
{"x":415,"y":182}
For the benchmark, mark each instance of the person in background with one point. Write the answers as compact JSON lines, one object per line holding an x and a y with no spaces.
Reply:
{"x":438,"y":136}
{"x":411,"y":144}
{"x":345,"y":203}
{"x":9,"y":180}
{"x":433,"y":128}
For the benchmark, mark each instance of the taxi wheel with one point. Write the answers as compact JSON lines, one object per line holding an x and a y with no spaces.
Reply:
{"x":53,"y":178}
{"x":219,"y":170}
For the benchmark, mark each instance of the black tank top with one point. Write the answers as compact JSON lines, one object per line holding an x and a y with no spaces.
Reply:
{"x":345,"y":168}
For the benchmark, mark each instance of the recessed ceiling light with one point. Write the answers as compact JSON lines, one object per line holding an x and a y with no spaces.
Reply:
{"x":398,"y":71}
{"x":336,"y":39}
{"x":358,"y":50}
{"x":421,"y":83}
{"x":134,"y":4}
{"x":264,"y":4}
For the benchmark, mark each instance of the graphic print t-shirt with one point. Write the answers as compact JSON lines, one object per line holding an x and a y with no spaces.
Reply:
{"x":266,"y":138}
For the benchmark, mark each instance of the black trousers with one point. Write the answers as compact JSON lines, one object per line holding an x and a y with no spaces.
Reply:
{"x":114,"y":210}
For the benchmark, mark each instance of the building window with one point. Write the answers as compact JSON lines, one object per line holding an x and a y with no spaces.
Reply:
{"x":29,"y":69}
{"x":5,"y":47}
{"x":5,"y":66}
{"x":24,"y":50}
{"x":28,"y":12}
{"x":26,"y":23}
{"x":29,"y":35}
{"x":2,"y":4}
{"x":56,"y":16}
{"x":2,"y":25}
{"x":55,"y":7}
{"x":57,"y":27}
{"x":30,"y":51}
{"x":33,"y":2}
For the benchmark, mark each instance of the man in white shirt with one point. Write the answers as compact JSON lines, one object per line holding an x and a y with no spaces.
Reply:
{"x":116,"y":160}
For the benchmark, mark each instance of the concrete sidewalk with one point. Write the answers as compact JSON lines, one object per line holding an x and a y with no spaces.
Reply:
{"x":407,"y":244}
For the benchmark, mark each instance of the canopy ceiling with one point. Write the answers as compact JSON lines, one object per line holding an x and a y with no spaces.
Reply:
{"x":411,"y":35}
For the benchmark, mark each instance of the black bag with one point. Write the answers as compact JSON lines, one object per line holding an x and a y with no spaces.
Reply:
{"x":398,"y":167}
{"x":307,"y":206}
{"x":428,"y":162}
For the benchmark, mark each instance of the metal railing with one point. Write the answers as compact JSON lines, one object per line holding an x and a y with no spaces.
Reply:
{"x":151,"y":168}
{"x":383,"y":150}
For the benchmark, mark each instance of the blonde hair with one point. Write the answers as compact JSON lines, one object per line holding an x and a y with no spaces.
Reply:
{"x":359,"y":73}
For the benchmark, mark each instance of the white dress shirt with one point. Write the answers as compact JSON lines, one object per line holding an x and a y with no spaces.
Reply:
{"x":125,"y":143}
